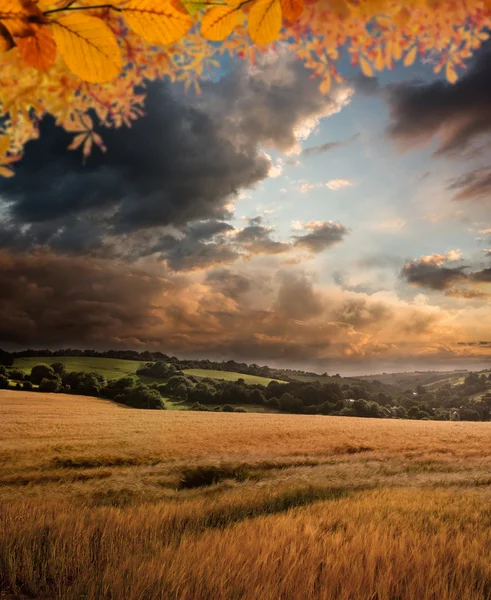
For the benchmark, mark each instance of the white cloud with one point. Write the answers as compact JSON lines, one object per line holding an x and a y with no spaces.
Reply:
{"x":275,"y":169}
{"x":337,"y":184}
{"x":438,"y":259}
{"x":334,"y":184}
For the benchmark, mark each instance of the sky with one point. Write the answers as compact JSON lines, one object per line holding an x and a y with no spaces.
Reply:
{"x":265,"y":222}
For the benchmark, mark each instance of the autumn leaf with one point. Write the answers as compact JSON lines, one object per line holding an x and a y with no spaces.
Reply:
{"x":219,"y":22}
{"x":6,"y":40}
{"x":4,"y":145}
{"x":5,"y":159}
{"x":265,"y":21}
{"x":410,"y":57}
{"x":157,"y":21}
{"x":292,"y":9}
{"x":88,"y":47}
{"x":366,"y":67}
{"x":17,"y":15}
{"x":38,"y":50}
{"x":194,"y":7}
{"x":451,"y":73}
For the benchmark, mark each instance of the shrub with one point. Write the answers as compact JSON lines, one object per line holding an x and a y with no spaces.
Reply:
{"x":3,"y":370}
{"x":198,"y":406}
{"x":16,"y":375}
{"x":59,"y":368}
{"x":227,"y":408}
{"x":4,"y":383}
{"x":27,"y":386}
{"x":50,"y":385}
{"x":289,"y":403}
{"x":40,"y":372}
{"x":18,"y":386}
{"x":239,"y":409}
{"x":141,"y":396}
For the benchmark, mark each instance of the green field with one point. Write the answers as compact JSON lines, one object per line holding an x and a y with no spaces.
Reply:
{"x":229,"y":376}
{"x":111,"y":368}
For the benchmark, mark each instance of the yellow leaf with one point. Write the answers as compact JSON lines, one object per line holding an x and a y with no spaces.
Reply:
{"x":410,"y":57}
{"x":265,"y":21}
{"x":325,"y":86}
{"x":38,"y":50}
{"x":6,"y":172}
{"x":4,"y":144}
{"x":366,"y":67}
{"x":292,"y":9}
{"x":219,"y":22}
{"x":451,"y":73}
{"x":379,"y":60}
{"x":77,"y":141}
{"x":88,"y":47}
{"x":157,"y":21}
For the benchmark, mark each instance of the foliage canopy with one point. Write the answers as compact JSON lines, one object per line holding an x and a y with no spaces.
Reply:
{"x":86,"y":62}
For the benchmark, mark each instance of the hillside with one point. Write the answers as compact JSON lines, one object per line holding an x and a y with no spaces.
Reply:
{"x":112,"y":368}
{"x":211,"y":386}
{"x":101,"y":501}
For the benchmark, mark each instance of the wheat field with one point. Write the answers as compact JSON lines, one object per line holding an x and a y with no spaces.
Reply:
{"x":99,"y":501}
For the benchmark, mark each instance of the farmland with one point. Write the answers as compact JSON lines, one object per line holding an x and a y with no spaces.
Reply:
{"x":228,"y":376}
{"x":100,"y":501}
{"x":112,"y":368}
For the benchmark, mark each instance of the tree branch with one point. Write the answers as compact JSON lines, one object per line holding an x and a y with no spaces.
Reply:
{"x":69,"y":7}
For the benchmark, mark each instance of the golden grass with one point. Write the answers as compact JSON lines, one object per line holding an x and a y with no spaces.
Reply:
{"x":98,"y":501}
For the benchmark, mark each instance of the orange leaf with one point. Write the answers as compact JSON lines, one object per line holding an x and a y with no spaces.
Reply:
{"x":265,"y":21}
{"x":219,"y":22}
{"x":88,"y":47}
{"x":6,"y":171}
{"x":6,"y":40}
{"x":451,"y":73}
{"x":16,"y":14}
{"x":366,"y":67}
{"x":157,"y":21}
{"x":410,"y":57}
{"x":38,"y":50}
{"x":292,"y":9}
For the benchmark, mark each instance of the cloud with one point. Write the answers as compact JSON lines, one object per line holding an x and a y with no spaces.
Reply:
{"x":185,"y":160}
{"x":322,"y":235}
{"x":334,"y":185}
{"x":458,"y":114}
{"x":247,"y":313}
{"x":430,"y":271}
{"x":328,"y":147}
{"x":473,"y":185}
{"x":337,"y":184}
{"x":256,"y":239}
{"x":433,"y":272}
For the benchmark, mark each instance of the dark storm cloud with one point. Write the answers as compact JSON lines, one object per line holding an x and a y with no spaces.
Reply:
{"x":323,"y":234}
{"x":432,"y":276}
{"x":180,"y":163}
{"x":459,"y":113}
{"x":368,"y":86}
{"x":323,"y":148}
{"x":50,"y":299}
